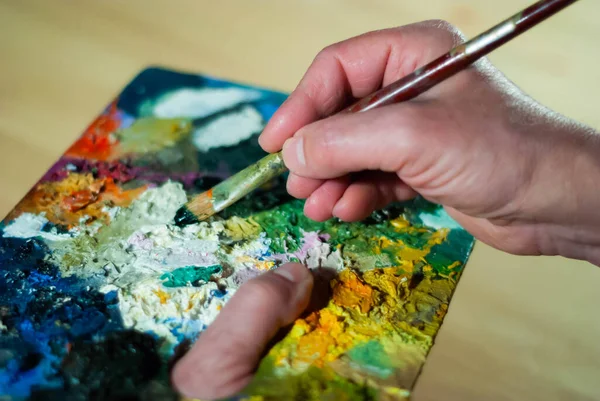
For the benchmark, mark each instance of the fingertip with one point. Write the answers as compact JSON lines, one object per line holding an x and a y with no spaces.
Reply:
{"x":301,"y":187}
{"x":319,"y":205}
{"x":294,"y":272}
{"x":273,"y":136}
{"x":340,"y":211}
{"x":357,"y":202}
{"x":353,"y":210}
{"x":315,"y":210}
{"x":291,"y":116}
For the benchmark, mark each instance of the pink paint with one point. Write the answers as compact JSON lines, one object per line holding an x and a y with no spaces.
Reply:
{"x":309,"y":241}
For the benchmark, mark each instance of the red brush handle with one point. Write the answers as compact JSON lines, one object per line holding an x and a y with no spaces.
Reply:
{"x":460,"y":57}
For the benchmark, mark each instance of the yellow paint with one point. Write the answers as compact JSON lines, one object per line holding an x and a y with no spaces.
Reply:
{"x":238,"y":228}
{"x":390,"y":306}
{"x":400,"y":223}
{"x":258,"y":264}
{"x":373,"y":305}
{"x":147,"y":135}
{"x":162,"y":296}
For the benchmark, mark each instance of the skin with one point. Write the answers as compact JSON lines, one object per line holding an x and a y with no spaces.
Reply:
{"x":516,"y":175}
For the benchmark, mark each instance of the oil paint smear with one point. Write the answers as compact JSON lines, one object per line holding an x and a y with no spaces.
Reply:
{"x":100,"y":292}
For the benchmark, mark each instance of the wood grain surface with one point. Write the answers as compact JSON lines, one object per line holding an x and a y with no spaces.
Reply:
{"x":518,"y":328}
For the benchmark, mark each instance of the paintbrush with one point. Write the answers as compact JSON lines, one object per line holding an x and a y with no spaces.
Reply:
{"x":239,"y":185}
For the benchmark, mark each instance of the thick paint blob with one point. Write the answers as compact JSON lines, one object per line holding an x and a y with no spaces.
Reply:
{"x":99,"y":288}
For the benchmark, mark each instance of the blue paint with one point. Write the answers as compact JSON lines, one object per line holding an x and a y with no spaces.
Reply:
{"x":218,"y":293}
{"x":44,"y":312}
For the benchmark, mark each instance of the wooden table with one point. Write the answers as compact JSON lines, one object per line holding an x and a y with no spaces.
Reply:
{"x":518,"y":328}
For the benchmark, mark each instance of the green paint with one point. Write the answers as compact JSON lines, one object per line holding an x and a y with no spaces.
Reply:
{"x":312,"y":384}
{"x":458,"y":244}
{"x":189,"y":275}
{"x":285,"y":225}
{"x":371,"y":356}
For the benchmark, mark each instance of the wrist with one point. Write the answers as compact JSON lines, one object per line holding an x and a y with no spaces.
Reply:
{"x":563,"y":200}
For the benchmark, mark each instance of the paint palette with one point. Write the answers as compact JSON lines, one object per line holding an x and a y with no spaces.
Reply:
{"x":99,"y":290}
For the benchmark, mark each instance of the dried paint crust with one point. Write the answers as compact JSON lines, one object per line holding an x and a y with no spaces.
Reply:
{"x":100,"y":292}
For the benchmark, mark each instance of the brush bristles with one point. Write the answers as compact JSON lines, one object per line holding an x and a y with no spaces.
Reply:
{"x":201,"y":207}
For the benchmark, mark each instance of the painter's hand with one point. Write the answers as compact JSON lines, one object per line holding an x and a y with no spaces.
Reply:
{"x":225,"y":356}
{"x":516,"y":175}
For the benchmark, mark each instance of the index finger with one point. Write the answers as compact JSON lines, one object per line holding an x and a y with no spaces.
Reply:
{"x":353,"y":69}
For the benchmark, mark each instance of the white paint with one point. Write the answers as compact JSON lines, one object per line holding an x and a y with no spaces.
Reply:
{"x":322,"y":256}
{"x":228,"y":130}
{"x":439,"y":219}
{"x":253,"y":249}
{"x":111,"y":211}
{"x":140,"y":245}
{"x":198,"y":103}
{"x":29,"y":225}
{"x":187,"y":309}
{"x":166,"y":248}
{"x":110,"y":250}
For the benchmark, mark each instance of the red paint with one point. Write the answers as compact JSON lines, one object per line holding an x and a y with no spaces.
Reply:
{"x":79,"y":200}
{"x":97,"y":142}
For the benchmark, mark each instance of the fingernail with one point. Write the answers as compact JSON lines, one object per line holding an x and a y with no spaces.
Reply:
{"x":293,"y":272}
{"x":260,"y":141}
{"x":294,"y":148}
{"x":337,"y":208}
{"x":302,"y":279}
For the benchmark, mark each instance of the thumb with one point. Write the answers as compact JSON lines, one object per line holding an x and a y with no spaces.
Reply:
{"x":385,"y":139}
{"x":224,"y":357}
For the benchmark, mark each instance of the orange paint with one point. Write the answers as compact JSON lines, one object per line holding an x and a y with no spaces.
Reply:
{"x":77,"y":196}
{"x":318,"y":346}
{"x":98,"y":142}
{"x":350,"y":291}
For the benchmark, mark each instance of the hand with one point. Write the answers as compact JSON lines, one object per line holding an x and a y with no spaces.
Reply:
{"x":513,"y":173}
{"x":222,"y":361}
{"x":516,"y":175}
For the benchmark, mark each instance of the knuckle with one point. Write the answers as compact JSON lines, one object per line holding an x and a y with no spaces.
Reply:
{"x":325,"y":56}
{"x":329,"y":52}
{"x":412,"y":120}
{"x":445,"y":30}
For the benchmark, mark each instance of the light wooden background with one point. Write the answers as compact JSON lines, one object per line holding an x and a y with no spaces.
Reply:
{"x":518,"y":328}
